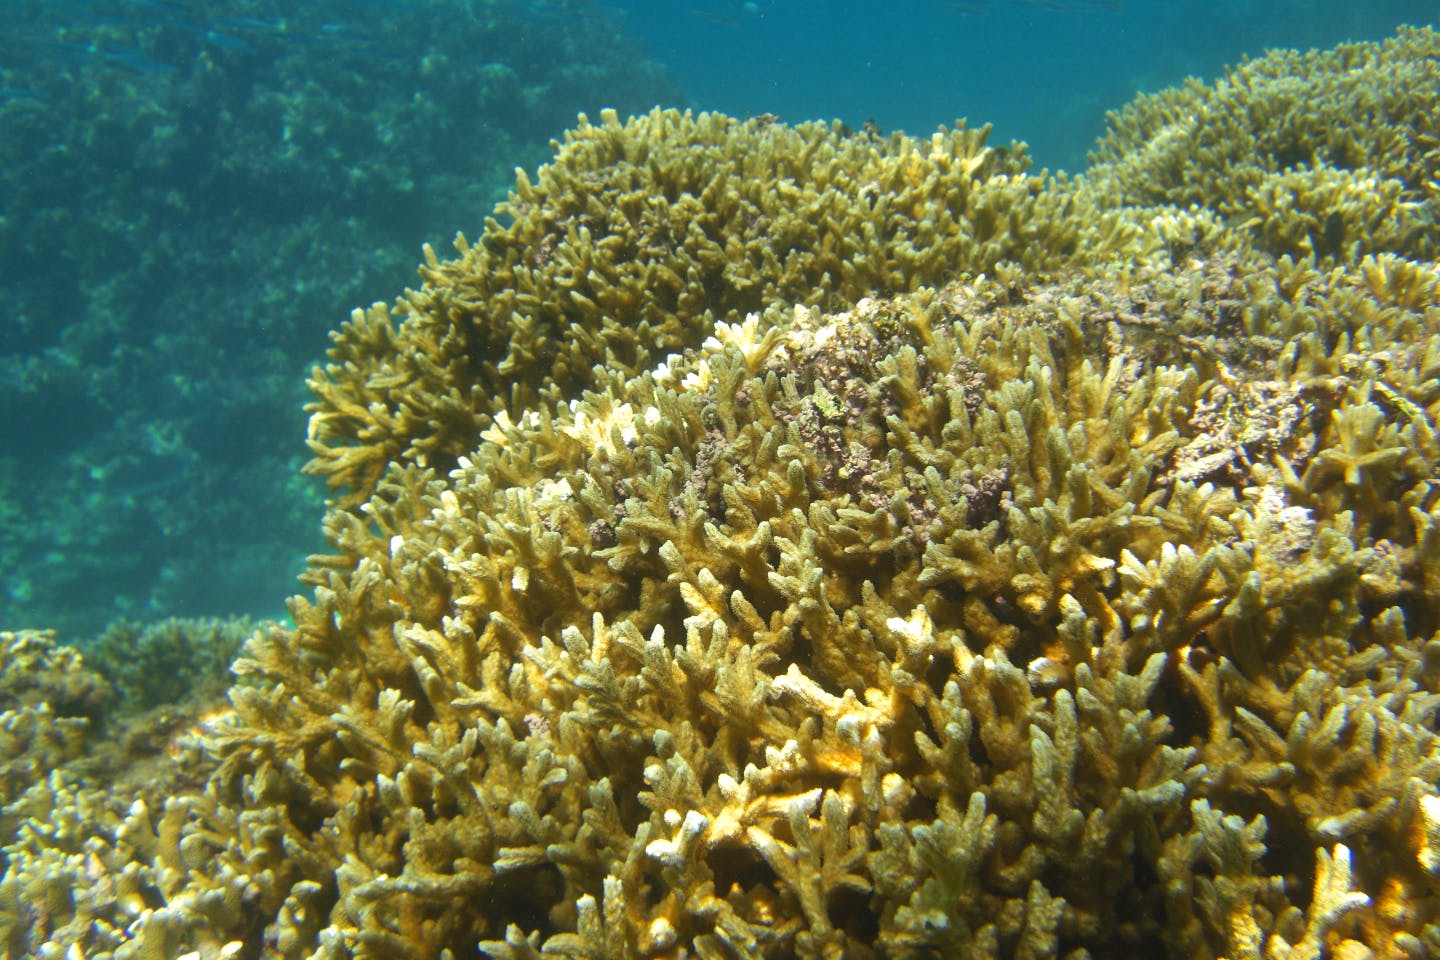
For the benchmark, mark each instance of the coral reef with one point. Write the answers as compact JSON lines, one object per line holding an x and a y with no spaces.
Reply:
{"x":49,"y":706}
{"x":1003,"y":568}
{"x":168,"y":662}
{"x":193,"y":194}
{"x":887,"y":632}
{"x":89,"y":748}
{"x":1340,"y":165}
{"x":638,"y":237}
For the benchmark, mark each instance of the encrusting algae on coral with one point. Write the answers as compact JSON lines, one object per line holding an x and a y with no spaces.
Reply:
{"x":1069,"y":594}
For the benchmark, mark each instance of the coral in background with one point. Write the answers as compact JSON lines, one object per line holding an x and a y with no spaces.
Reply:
{"x":169,"y":662}
{"x":1337,"y":166}
{"x":49,"y":705}
{"x":1075,"y":597}
{"x":190,"y":191}
{"x":83,"y":751}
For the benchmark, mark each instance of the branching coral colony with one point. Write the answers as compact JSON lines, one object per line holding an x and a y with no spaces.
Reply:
{"x":780,"y":543}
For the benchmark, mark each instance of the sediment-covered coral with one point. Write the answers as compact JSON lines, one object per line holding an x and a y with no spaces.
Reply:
{"x":1083,"y":605}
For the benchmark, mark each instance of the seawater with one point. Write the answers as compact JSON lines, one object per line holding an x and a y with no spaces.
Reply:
{"x":1045,"y":72}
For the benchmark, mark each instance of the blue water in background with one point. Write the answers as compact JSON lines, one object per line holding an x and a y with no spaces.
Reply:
{"x":1044,"y":74}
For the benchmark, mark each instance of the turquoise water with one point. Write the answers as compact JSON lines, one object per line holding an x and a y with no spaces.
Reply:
{"x":192,"y":194}
{"x":1042,"y":72}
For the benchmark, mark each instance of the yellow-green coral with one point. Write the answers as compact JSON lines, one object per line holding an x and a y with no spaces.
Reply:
{"x":1327,"y":153}
{"x":947,"y":662}
{"x":173,"y":661}
{"x":50,"y":703}
{"x":1059,"y":603}
{"x":639,"y":237}
{"x":94,"y":751}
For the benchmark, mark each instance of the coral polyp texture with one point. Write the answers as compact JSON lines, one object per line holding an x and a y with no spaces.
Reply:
{"x":637,"y":239}
{"x":781,"y":543}
{"x":1344,"y":161}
